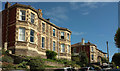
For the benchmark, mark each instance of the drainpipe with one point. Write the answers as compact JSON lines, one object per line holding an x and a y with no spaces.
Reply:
{"x":58,"y":45}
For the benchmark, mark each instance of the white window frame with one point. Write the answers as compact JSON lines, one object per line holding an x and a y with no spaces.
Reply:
{"x":53,"y":45}
{"x":43,"y":42}
{"x":53,"y":32}
{"x":32,"y":17}
{"x":43,"y":27}
{"x":62,"y":48}
{"x":92,"y":49}
{"x":63,"y":34}
{"x":32,"y":36}
{"x":92,"y":57}
{"x":22,"y":15}
{"x":68,"y":48}
{"x":68,"y":36}
{"x":21,"y":34}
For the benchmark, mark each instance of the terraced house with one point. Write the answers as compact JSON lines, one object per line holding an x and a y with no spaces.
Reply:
{"x":26,"y":32}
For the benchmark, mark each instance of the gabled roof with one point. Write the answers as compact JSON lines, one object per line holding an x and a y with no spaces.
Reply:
{"x":85,"y":44}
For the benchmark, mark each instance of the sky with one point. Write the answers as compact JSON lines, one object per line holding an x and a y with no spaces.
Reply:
{"x":96,"y":22}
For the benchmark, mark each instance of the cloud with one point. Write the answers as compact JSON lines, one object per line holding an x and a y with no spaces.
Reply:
{"x":86,"y":7}
{"x":90,"y":4}
{"x":85,"y":13}
{"x":57,"y":14}
{"x":78,"y":33}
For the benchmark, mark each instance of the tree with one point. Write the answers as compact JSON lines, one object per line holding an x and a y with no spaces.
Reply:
{"x":117,"y":38}
{"x":116,"y":59}
{"x":81,"y":59}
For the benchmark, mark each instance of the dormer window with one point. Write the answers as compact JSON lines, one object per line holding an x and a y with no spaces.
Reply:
{"x":32,"y":18}
{"x":62,"y":35}
{"x":22,"y":15}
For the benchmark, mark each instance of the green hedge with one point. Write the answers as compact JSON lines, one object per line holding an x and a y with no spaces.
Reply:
{"x":51,"y":54}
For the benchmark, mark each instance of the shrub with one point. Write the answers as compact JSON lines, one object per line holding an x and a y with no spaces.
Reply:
{"x":7,"y":66}
{"x":36,"y":64}
{"x":23,"y":65}
{"x":51,"y":54}
{"x":6,"y":58}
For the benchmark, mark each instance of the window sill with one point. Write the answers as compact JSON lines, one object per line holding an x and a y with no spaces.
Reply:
{"x":43,"y":48}
{"x":22,"y":41}
{"x":22,"y":20}
{"x":32,"y":42}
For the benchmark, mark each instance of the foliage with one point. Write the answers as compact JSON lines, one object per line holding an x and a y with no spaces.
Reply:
{"x":117,"y":38}
{"x":81,"y":59}
{"x":116,"y":59}
{"x":8,"y":65}
{"x":23,"y":65}
{"x":51,"y":54}
{"x":104,"y":60}
{"x":6,"y":58}
{"x":36,"y":64}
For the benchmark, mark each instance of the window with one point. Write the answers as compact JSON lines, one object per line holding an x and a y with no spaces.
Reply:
{"x":43,"y":42}
{"x":53,"y":32}
{"x":92,"y":49}
{"x":53,"y":45}
{"x":74,"y":50}
{"x":22,"y":15}
{"x":62,"y":47}
{"x":68,"y":47}
{"x":92,"y":57}
{"x":68,"y":36}
{"x":43,"y":27}
{"x":32,"y":18}
{"x":21,"y":34}
{"x":31,"y":35}
{"x":62,"y":35}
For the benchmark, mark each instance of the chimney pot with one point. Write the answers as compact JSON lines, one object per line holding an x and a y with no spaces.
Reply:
{"x":7,"y":5}
{"x":83,"y":41}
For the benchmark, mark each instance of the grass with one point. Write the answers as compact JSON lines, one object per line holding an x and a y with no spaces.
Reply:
{"x":46,"y":66}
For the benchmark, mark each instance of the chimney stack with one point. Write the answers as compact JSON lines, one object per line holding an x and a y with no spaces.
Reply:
{"x":83,"y":41}
{"x":40,"y":12}
{"x":7,"y":5}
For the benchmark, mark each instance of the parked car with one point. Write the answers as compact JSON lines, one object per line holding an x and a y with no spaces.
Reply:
{"x":87,"y":69}
{"x":65,"y":69}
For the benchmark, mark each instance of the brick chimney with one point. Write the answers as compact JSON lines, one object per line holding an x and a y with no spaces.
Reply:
{"x":83,"y":41}
{"x":7,"y":5}
{"x":40,"y":12}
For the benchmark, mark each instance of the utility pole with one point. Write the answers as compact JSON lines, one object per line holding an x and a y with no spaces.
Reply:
{"x":107,"y":52}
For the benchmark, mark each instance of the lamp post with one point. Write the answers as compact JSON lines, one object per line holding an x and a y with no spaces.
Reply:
{"x":107,"y":52}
